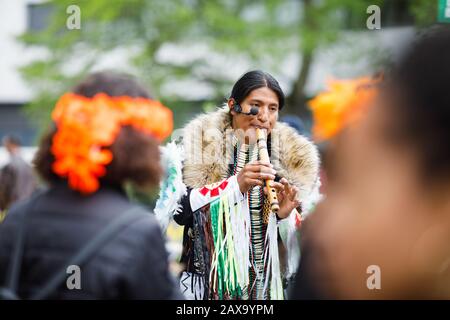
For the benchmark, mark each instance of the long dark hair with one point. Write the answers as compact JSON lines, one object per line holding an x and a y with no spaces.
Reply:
{"x":254,"y":80}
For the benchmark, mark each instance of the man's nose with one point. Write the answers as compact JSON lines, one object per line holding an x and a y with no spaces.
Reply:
{"x":263,"y":114}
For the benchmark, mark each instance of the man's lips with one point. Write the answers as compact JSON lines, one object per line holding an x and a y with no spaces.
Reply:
{"x":259,"y":127}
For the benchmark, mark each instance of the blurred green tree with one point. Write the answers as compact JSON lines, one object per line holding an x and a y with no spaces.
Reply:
{"x":263,"y":33}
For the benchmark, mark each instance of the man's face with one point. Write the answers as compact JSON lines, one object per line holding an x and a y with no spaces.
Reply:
{"x":10,"y":147}
{"x":375,"y":213}
{"x":268,"y":106}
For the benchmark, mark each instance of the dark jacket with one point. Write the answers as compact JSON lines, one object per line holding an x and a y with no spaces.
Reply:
{"x":133,"y":265}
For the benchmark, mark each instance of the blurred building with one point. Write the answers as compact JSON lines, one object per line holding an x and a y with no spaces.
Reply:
{"x":16,"y":17}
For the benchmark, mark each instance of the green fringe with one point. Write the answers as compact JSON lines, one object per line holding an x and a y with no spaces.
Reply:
{"x":227,"y":284}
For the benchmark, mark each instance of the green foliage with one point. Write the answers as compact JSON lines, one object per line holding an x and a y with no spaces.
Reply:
{"x":262,"y":32}
{"x":424,"y":11}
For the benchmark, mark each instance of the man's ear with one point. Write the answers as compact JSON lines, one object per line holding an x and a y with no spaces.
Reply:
{"x":231,"y":103}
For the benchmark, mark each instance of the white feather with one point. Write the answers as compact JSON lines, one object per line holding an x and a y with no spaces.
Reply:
{"x":172,"y":188}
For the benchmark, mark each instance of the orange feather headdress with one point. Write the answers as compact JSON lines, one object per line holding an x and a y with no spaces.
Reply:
{"x":87,"y":126}
{"x":340,"y":106}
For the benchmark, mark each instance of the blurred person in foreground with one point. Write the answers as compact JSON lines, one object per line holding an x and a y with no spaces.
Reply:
{"x":17,"y":181}
{"x":105,"y":133}
{"x":383,"y":230}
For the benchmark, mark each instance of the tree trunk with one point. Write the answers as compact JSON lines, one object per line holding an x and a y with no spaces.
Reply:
{"x":296,"y":101}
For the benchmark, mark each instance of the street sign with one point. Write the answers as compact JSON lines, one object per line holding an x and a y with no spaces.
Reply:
{"x":444,"y":11}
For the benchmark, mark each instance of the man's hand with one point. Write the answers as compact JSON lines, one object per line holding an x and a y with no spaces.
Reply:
{"x":254,"y":174}
{"x":287,"y":197}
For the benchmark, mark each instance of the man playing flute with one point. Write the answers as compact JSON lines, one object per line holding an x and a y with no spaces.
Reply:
{"x":230,"y":243}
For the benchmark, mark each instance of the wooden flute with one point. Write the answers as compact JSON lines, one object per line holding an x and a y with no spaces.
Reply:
{"x":264,"y":156}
